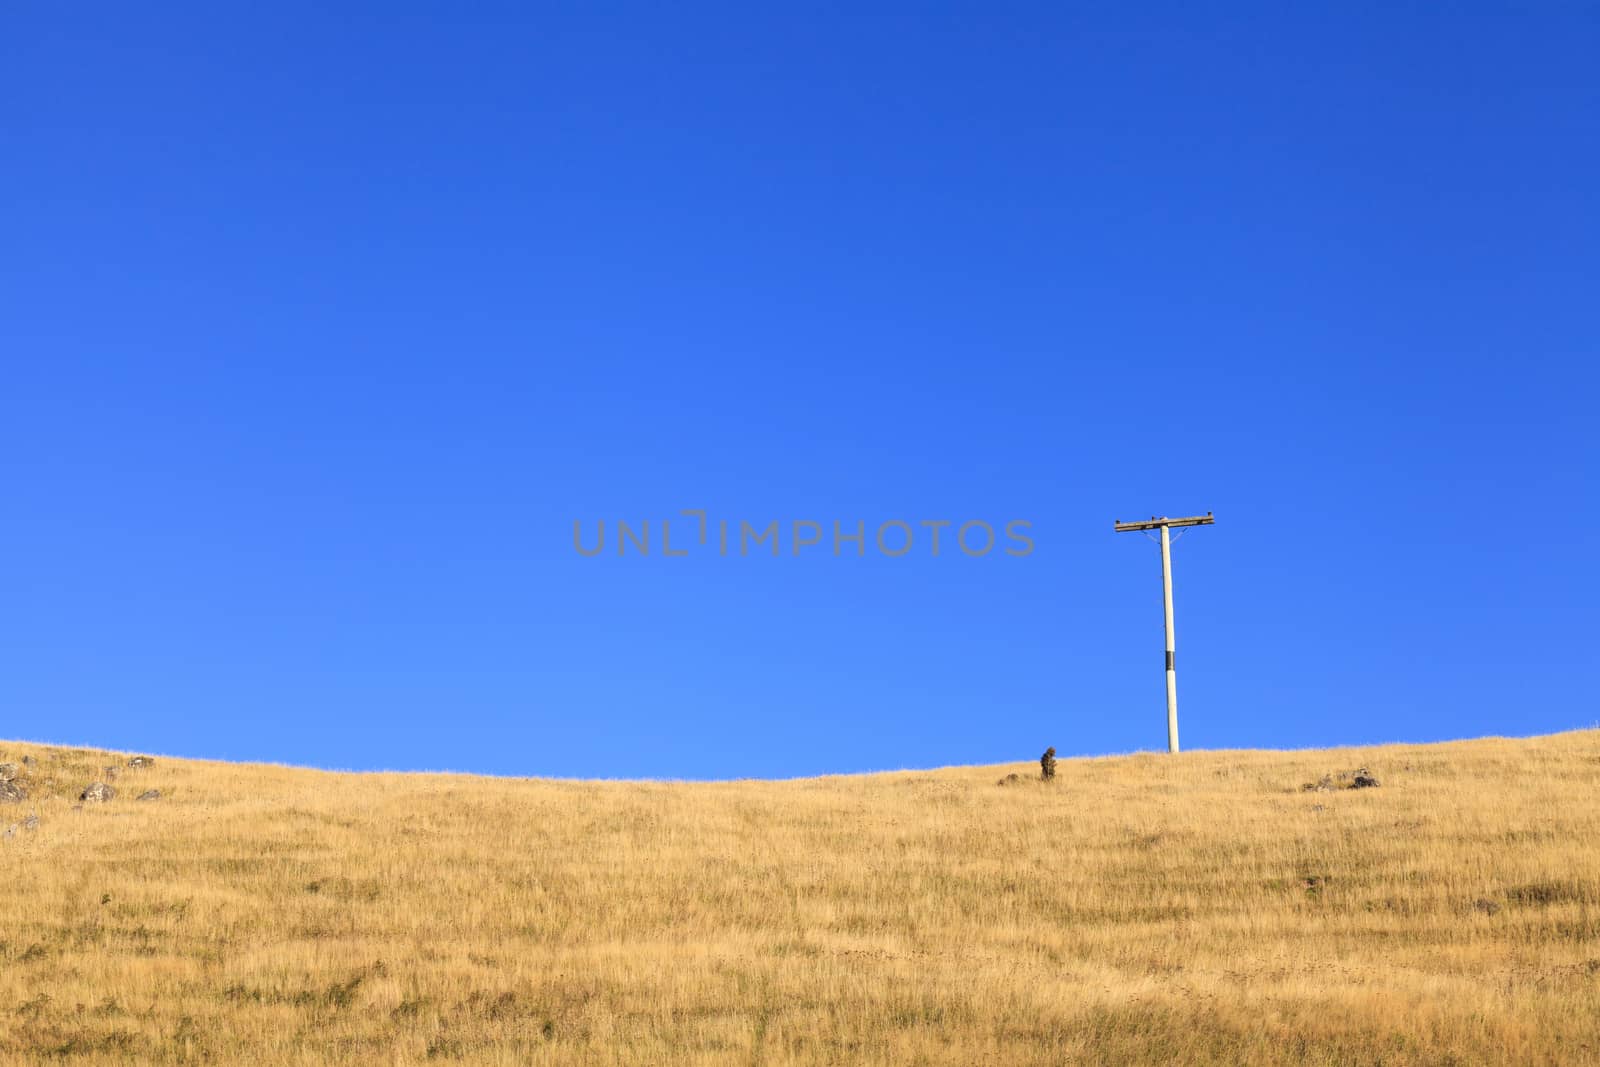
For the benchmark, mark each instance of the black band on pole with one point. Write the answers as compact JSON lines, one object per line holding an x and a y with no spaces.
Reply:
{"x":1169,"y":661}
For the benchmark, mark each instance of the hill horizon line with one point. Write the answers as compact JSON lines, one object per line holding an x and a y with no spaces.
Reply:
{"x":1376,"y":746}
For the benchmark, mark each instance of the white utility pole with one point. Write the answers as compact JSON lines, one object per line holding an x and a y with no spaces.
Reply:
{"x":1166,"y":597}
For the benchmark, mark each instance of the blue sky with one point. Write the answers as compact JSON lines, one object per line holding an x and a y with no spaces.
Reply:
{"x":319,"y":331}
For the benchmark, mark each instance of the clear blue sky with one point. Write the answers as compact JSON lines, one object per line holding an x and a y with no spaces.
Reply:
{"x":320,"y":331}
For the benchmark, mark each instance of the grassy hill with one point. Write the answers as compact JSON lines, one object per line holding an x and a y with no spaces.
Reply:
{"x":1140,"y":909}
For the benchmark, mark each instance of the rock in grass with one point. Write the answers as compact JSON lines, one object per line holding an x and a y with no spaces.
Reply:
{"x":1363,"y":780}
{"x":1047,"y":763}
{"x":8,"y":771}
{"x":141,"y":761}
{"x":149,"y":794}
{"x":11,"y":792}
{"x":98,"y":793}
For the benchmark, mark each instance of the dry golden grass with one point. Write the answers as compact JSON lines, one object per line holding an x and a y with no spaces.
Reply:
{"x":1142,"y":909}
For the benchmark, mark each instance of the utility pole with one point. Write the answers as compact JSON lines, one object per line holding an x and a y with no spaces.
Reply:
{"x":1164,"y":525}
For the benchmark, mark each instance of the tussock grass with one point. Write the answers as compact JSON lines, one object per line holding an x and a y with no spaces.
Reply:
{"x":1140,"y":909}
